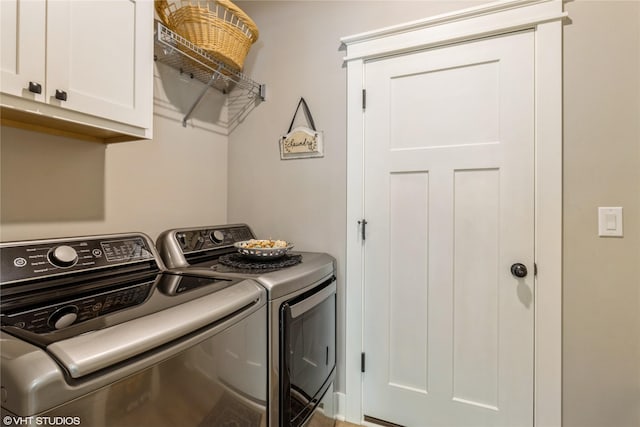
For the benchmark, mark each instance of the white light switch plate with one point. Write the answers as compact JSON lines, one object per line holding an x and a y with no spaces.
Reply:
{"x":610,"y":221}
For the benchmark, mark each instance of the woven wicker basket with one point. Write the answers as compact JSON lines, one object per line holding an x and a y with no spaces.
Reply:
{"x":217,"y":26}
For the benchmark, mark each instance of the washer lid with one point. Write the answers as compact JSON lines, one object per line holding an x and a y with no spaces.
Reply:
{"x":80,"y":307}
{"x":38,"y":379}
{"x":93,"y":351}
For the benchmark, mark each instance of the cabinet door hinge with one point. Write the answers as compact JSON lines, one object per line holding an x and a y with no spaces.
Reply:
{"x":361,"y":362}
{"x":364,"y":99}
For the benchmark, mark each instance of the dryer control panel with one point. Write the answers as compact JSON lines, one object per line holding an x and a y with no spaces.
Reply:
{"x":202,"y":239}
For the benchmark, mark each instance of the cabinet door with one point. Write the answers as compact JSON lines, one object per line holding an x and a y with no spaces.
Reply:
{"x":22,"y":34}
{"x":100,"y":54}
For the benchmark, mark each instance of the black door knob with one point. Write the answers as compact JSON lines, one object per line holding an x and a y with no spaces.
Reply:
{"x":519,"y":270}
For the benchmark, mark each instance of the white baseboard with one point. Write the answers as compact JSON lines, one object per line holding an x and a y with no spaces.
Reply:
{"x":339,"y":405}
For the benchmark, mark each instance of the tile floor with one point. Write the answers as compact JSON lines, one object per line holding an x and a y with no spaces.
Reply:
{"x":319,"y":420}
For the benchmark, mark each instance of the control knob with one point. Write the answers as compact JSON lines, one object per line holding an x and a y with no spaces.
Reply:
{"x":63,"y":317}
{"x":197,"y":242}
{"x":63,"y":256}
{"x":182,"y":240}
{"x":216,"y":236}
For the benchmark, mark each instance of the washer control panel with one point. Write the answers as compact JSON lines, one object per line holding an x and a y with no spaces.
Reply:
{"x":38,"y":259}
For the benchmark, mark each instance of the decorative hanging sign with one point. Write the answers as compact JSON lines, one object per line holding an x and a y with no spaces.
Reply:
{"x":301,"y":142}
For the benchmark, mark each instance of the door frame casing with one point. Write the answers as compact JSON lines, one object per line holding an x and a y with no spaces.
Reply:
{"x":545,"y":18}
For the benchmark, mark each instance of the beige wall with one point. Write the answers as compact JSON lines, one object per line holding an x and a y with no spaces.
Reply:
{"x":601,"y":298}
{"x":298,"y":55}
{"x":53,"y":186}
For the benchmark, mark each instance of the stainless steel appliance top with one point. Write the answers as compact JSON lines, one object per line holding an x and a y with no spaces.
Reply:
{"x":202,"y":251}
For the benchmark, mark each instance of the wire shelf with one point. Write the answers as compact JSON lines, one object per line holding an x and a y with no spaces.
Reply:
{"x":179,"y":53}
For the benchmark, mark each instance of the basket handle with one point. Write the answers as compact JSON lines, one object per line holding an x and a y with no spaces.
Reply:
{"x":161,"y":8}
{"x":242,"y":16}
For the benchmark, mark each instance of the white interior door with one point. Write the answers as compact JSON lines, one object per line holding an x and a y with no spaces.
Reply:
{"x":449,"y":200}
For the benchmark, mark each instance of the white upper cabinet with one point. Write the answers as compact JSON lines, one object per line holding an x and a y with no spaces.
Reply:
{"x":91,"y":61}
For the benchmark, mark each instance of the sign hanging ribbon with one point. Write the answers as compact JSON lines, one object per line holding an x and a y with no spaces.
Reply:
{"x":302,"y":141}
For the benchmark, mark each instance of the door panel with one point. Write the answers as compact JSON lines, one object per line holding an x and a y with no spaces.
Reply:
{"x":467,"y":92}
{"x":408,"y":205}
{"x":449,"y":197}
{"x":476,"y":276}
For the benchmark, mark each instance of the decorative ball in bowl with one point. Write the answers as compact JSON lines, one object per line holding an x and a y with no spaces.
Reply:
{"x":263,"y":249}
